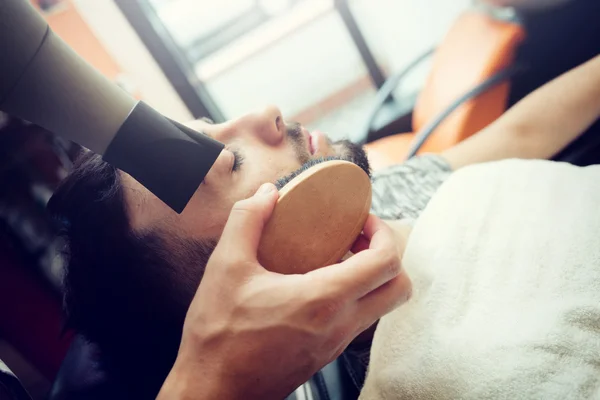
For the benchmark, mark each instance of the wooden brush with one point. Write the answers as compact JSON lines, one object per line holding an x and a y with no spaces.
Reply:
{"x":317,"y":218}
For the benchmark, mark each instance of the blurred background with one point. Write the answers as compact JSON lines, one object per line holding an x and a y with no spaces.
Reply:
{"x":315,"y":59}
{"x":321,"y":61}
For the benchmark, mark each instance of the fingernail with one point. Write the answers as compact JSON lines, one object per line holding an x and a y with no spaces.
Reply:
{"x":265,"y":188}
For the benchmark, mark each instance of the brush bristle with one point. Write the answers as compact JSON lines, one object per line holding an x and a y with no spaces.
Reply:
{"x":281,"y":182}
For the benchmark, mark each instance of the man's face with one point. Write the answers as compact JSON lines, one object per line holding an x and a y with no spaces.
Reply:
{"x":259,"y":148}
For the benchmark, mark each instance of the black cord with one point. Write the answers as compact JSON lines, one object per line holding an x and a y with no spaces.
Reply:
{"x":490,"y":82}
{"x":386,"y":90}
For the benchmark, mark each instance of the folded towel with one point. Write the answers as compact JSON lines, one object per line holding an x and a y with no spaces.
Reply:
{"x":505,"y":262}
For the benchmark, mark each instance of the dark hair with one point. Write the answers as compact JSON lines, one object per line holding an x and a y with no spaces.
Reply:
{"x":126,"y":291}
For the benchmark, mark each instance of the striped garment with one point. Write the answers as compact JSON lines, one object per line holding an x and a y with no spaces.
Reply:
{"x":403,"y":190}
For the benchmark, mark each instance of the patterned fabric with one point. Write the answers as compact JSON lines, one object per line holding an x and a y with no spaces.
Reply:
{"x":399,"y":192}
{"x":403,"y":190}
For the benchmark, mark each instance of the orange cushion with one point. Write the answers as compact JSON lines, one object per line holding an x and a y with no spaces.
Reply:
{"x":393,"y":149}
{"x":476,"y":47}
{"x":389,"y":150}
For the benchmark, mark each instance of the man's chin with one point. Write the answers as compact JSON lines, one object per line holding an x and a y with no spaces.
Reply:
{"x":341,"y":150}
{"x":350,"y":151}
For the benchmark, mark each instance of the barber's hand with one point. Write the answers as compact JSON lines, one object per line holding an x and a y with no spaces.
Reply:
{"x":255,"y":334}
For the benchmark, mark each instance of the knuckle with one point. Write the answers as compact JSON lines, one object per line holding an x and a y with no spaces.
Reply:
{"x":323,"y":310}
{"x":395,"y":293}
{"x":402,"y":286}
{"x":391,"y":260}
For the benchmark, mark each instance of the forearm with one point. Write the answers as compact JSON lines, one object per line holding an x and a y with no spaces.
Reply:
{"x":540,"y":125}
{"x":557,"y":113}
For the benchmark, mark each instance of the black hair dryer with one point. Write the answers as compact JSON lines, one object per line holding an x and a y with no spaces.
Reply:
{"x":43,"y":81}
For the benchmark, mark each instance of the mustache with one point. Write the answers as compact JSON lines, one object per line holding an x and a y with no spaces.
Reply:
{"x":294,"y":130}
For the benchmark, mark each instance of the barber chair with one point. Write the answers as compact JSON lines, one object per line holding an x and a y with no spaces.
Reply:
{"x":466,"y":90}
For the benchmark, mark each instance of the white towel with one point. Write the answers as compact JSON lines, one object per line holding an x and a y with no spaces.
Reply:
{"x":505,"y":263}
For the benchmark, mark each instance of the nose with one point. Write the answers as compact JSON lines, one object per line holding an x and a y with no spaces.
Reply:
{"x":270,"y":125}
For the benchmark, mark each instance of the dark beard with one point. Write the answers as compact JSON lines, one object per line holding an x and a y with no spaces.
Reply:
{"x":345,"y":150}
{"x":353,"y":152}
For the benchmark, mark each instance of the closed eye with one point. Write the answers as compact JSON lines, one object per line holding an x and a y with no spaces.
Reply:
{"x":238,"y":160}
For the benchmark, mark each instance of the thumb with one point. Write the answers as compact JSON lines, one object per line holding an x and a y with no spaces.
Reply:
{"x":245,"y":224}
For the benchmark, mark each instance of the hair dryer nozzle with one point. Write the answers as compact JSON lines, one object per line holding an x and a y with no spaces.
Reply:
{"x":168,"y":158}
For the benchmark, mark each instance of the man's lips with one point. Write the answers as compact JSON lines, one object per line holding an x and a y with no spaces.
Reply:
{"x":309,"y":141}
{"x":312,"y":140}
{"x":315,"y":139}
